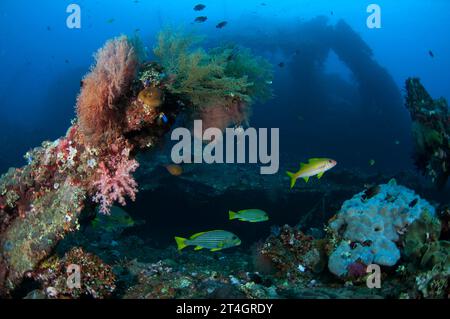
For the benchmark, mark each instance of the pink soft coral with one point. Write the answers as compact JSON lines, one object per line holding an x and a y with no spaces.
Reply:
{"x":98,"y":103}
{"x":115,"y":182}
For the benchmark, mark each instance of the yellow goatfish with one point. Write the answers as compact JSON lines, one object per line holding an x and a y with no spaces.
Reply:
{"x":315,"y":166}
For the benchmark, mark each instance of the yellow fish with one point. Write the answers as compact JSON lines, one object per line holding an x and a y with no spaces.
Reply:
{"x":249,"y":215}
{"x":214,"y":240}
{"x":117,"y":221}
{"x":315,"y":166}
{"x":174,"y":170}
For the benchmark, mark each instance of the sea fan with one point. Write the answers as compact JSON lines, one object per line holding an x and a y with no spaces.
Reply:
{"x":109,"y":80}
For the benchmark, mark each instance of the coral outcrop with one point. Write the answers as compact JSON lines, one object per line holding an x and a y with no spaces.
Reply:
{"x":431,"y":131}
{"x":97,"y":279}
{"x":293,"y":253}
{"x":216,"y":76}
{"x":368,"y":229}
{"x":388,"y":225}
{"x":126,"y":105}
{"x":221,"y":82}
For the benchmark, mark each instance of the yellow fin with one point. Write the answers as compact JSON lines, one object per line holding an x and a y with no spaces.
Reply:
{"x":181,"y":242}
{"x":293,"y":178}
{"x":216,"y":249}
{"x":196,"y":235}
{"x":198,"y":248}
{"x":320,"y":175}
{"x":232,"y":215}
{"x":306,"y":178}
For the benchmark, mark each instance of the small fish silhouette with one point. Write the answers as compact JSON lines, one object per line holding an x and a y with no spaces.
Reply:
{"x":201,"y":19}
{"x":199,"y":7}
{"x":221,"y":25}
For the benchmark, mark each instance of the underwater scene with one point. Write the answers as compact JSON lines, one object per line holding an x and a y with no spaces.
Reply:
{"x":223,"y":149}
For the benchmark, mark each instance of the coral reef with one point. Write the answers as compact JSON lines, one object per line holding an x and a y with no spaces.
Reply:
{"x":422,"y":235}
{"x":126,"y":105}
{"x":96,"y":278}
{"x":291,"y":263}
{"x":293,"y":253}
{"x":428,"y":257}
{"x":368,"y":229}
{"x":146,"y":272}
{"x":45,"y":207}
{"x":431,"y":131}
{"x":391,"y":227}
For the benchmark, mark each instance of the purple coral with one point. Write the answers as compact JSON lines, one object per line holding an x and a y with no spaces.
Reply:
{"x":356,"y":270}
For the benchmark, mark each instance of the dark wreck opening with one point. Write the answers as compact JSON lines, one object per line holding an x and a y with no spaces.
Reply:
{"x":174,"y":209}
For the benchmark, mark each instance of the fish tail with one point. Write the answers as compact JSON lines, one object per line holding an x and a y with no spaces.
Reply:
{"x":181,"y":242}
{"x":232,"y":215}
{"x":293,"y":178}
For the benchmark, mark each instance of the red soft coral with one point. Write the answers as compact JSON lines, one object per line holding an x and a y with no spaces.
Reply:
{"x":115,"y":182}
{"x":222,"y":116}
{"x":97,"y":106}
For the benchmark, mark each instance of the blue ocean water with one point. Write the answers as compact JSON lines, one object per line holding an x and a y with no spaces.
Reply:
{"x":43,"y":61}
